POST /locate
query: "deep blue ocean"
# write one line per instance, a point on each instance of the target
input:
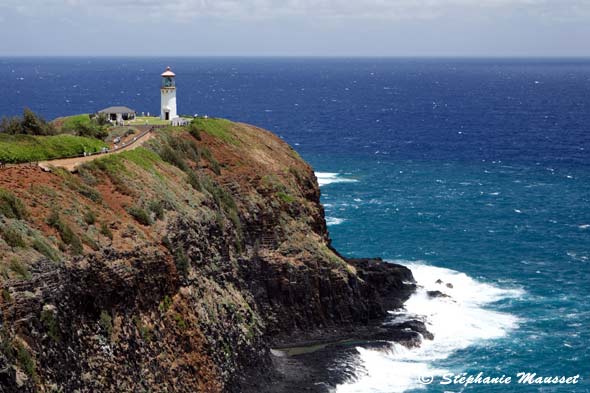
(476, 172)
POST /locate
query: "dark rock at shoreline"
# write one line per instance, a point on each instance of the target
(415, 326)
(320, 368)
(435, 294)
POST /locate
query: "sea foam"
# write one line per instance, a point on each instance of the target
(334, 221)
(457, 322)
(325, 178)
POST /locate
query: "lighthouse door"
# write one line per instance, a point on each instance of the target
(167, 115)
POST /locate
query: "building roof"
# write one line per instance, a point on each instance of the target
(117, 109)
(168, 72)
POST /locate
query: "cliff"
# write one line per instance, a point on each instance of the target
(176, 267)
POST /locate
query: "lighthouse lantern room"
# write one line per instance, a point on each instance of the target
(168, 95)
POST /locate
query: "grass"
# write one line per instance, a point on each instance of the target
(219, 128)
(27, 148)
(152, 120)
(71, 123)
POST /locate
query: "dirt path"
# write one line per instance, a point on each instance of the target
(70, 164)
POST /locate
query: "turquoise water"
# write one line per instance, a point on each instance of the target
(519, 228)
(477, 166)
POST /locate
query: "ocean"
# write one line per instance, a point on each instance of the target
(474, 172)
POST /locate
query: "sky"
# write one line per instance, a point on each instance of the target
(437, 28)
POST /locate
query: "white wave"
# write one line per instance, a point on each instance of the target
(456, 322)
(325, 178)
(584, 226)
(334, 221)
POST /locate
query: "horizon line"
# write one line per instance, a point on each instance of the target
(532, 57)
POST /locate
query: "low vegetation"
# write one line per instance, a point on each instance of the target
(29, 124)
(28, 148)
(66, 233)
(151, 120)
(18, 268)
(11, 206)
(140, 215)
(84, 125)
(219, 128)
(12, 237)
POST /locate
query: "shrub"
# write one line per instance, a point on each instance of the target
(165, 304)
(30, 124)
(194, 181)
(11, 206)
(75, 184)
(173, 157)
(193, 129)
(25, 360)
(85, 125)
(45, 249)
(140, 215)
(106, 231)
(90, 242)
(213, 163)
(180, 322)
(65, 232)
(89, 217)
(222, 198)
(86, 175)
(50, 323)
(12, 237)
(157, 207)
(182, 262)
(106, 323)
(144, 330)
(283, 196)
(20, 269)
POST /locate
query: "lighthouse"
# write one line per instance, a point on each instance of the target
(168, 95)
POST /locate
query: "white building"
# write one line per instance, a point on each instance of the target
(168, 95)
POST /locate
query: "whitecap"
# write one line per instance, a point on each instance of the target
(457, 322)
(334, 221)
(325, 178)
(584, 226)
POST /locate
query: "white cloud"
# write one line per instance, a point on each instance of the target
(380, 9)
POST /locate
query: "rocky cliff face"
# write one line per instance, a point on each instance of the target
(174, 267)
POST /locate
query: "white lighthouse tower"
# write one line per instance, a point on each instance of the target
(168, 95)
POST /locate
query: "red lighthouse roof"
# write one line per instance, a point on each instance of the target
(168, 72)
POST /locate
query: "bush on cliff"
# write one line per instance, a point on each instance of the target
(66, 233)
(29, 124)
(11, 206)
(140, 215)
(12, 237)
